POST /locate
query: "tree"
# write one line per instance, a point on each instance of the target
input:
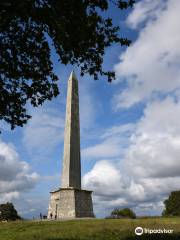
(8, 212)
(172, 205)
(76, 29)
(123, 213)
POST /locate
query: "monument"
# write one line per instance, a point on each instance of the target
(70, 201)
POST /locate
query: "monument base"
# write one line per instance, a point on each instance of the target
(70, 203)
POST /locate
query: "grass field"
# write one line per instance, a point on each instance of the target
(103, 229)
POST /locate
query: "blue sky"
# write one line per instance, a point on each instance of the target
(130, 132)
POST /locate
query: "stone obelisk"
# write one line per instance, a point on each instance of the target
(70, 201)
(71, 176)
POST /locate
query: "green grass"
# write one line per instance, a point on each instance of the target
(97, 229)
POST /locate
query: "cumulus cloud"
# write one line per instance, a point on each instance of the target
(152, 64)
(103, 176)
(15, 175)
(150, 167)
(144, 11)
(156, 143)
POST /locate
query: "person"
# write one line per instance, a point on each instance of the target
(40, 216)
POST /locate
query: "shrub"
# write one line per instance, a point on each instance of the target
(8, 212)
(172, 205)
(123, 213)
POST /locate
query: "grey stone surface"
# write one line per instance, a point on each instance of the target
(70, 201)
(71, 175)
(53, 205)
(83, 203)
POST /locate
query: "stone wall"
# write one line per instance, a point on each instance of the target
(66, 207)
(83, 201)
(53, 205)
(70, 203)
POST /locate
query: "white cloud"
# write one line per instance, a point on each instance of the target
(103, 176)
(15, 175)
(114, 139)
(8, 197)
(119, 130)
(152, 63)
(44, 131)
(108, 148)
(155, 147)
(143, 11)
(150, 168)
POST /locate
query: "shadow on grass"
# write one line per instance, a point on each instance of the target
(155, 237)
(143, 237)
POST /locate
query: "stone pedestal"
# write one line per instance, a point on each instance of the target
(70, 203)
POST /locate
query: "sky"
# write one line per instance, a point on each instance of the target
(130, 129)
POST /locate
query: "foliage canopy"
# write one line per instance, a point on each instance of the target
(123, 213)
(172, 204)
(8, 212)
(30, 29)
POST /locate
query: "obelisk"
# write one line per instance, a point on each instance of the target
(71, 176)
(70, 201)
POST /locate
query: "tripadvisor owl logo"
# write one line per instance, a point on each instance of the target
(139, 231)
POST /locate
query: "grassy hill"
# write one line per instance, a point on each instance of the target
(97, 229)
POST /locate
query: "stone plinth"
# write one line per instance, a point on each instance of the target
(70, 203)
